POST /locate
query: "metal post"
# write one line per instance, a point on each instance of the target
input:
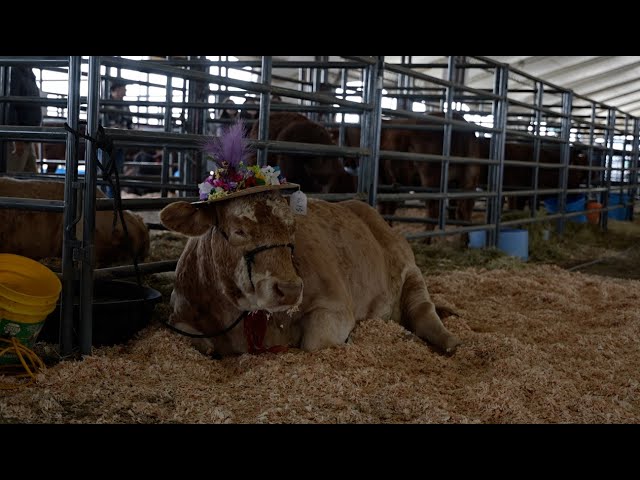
(265, 110)
(373, 91)
(182, 167)
(539, 99)
(343, 85)
(626, 164)
(460, 73)
(4, 91)
(166, 167)
(446, 145)
(565, 129)
(70, 241)
(317, 82)
(634, 162)
(89, 220)
(590, 149)
(609, 134)
(499, 110)
(403, 82)
(303, 76)
(301, 80)
(197, 92)
(364, 177)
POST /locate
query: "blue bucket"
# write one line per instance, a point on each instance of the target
(618, 213)
(61, 169)
(478, 239)
(575, 203)
(514, 242)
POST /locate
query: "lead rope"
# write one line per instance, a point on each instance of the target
(29, 362)
(105, 143)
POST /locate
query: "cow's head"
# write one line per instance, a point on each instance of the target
(350, 164)
(256, 233)
(577, 177)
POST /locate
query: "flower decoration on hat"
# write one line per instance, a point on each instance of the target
(231, 174)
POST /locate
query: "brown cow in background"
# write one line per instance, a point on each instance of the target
(460, 176)
(521, 177)
(38, 235)
(314, 173)
(410, 173)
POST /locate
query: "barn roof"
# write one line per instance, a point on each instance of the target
(611, 80)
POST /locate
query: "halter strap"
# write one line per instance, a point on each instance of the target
(210, 335)
(250, 256)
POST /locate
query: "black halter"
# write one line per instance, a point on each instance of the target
(209, 335)
(249, 257)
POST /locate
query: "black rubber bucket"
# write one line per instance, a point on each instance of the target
(120, 310)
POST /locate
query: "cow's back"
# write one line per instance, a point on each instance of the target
(348, 248)
(277, 122)
(12, 187)
(30, 233)
(38, 235)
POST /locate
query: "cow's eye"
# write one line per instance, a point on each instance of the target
(240, 233)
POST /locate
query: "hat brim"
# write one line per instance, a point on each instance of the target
(250, 191)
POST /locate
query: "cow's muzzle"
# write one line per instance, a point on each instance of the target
(250, 256)
(287, 293)
(277, 293)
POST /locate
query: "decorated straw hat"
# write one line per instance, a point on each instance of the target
(232, 177)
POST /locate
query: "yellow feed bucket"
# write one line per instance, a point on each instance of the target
(26, 281)
(29, 292)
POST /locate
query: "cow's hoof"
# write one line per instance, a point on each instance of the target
(451, 344)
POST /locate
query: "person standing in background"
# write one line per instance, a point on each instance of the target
(116, 116)
(21, 156)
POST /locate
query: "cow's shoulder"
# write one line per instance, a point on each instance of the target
(333, 214)
(349, 220)
(366, 213)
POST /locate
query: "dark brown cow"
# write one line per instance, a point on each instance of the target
(39, 234)
(394, 137)
(314, 173)
(277, 122)
(351, 139)
(460, 176)
(317, 275)
(404, 171)
(521, 178)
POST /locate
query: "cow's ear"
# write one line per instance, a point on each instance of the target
(186, 218)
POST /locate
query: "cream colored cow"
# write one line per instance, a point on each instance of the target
(316, 274)
(39, 234)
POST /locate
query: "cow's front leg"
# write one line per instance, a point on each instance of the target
(322, 328)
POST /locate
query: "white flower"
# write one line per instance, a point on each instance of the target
(204, 188)
(271, 175)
